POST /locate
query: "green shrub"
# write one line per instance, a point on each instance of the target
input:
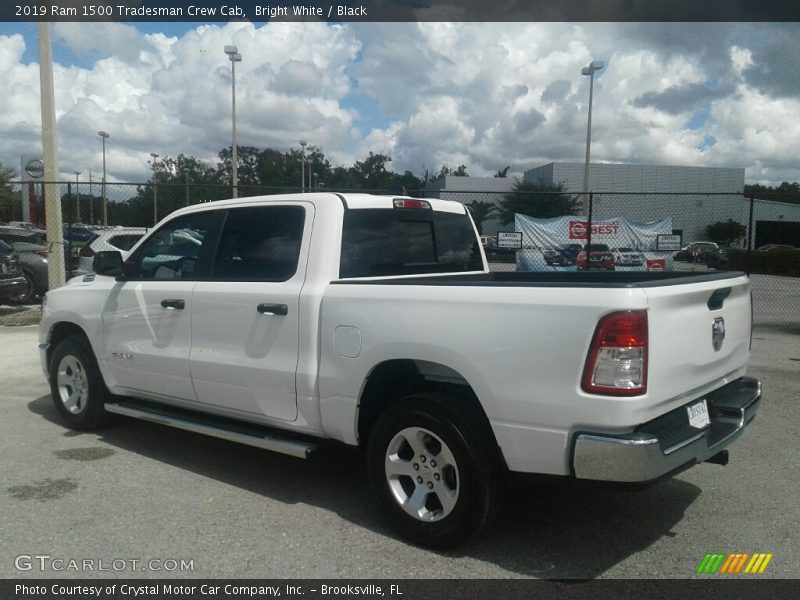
(777, 262)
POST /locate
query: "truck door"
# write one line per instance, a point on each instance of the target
(146, 328)
(245, 323)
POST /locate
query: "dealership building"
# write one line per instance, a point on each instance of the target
(693, 197)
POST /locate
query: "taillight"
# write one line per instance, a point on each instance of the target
(408, 203)
(42, 253)
(86, 251)
(617, 361)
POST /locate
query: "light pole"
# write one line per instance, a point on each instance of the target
(303, 144)
(91, 199)
(77, 198)
(186, 179)
(594, 66)
(105, 136)
(155, 190)
(234, 56)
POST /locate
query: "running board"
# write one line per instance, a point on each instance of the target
(244, 433)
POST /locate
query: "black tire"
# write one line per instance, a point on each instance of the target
(76, 385)
(26, 296)
(476, 482)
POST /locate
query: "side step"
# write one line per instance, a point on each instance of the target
(226, 429)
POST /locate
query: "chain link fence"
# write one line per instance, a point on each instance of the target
(521, 231)
(618, 231)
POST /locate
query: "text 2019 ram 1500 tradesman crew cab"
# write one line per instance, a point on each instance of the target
(276, 321)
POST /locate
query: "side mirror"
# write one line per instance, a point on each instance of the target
(107, 262)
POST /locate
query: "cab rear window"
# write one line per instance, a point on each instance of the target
(386, 242)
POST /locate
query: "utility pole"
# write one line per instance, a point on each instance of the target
(55, 233)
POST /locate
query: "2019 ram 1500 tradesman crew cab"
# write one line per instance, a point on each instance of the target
(277, 321)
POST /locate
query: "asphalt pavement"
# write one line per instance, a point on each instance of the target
(142, 492)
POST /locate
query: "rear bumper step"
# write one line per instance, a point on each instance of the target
(226, 429)
(668, 443)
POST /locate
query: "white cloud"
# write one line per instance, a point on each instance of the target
(482, 94)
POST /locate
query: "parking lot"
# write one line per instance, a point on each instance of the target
(138, 491)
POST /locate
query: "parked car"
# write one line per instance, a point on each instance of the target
(304, 317)
(122, 239)
(77, 234)
(690, 251)
(551, 256)
(627, 257)
(21, 234)
(562, 256)
(775, 248)
(33, 262)
(489, 242)
(713, 258)
(600, 257)
(11, 279)
(26, 225)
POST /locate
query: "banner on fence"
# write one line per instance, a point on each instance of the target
(619, 244)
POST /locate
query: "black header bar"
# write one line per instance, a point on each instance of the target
(359, 11)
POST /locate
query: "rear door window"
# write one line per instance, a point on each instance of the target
(260, 244)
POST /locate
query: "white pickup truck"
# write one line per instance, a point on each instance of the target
(373, 320)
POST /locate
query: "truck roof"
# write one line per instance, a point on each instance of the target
(350, 201)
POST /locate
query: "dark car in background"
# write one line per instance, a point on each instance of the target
(33, 265)
(77, 233)
(599, 257)
(775, 248)
(714, 258)
(565, 255)
(11, 279)
(691, 252)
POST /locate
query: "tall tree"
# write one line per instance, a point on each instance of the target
(482, 211)
(785, 192)
(726, 232)
(537, 200)
(8, 196)
(247, 165)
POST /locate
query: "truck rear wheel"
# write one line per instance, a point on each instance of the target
(436, 469)
(77, 386)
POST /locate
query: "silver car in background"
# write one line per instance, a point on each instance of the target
(121, 238)
(627, 257)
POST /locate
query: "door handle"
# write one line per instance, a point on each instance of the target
(273, 309)
(173, 303)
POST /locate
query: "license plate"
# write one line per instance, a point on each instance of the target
(698, 415)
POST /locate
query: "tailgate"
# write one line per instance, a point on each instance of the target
(699, 333)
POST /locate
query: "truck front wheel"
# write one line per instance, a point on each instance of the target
(436, 469)
(77, 386)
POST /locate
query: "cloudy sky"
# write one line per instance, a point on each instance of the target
(482, 94)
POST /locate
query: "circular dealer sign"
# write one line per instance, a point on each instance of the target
(35, 168)
(577, 230)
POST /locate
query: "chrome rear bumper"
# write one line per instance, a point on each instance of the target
(667, 443)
